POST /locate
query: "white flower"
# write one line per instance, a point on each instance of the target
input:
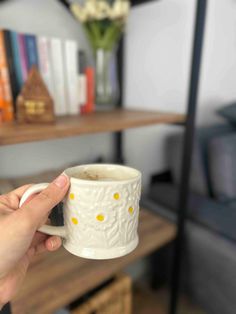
(103, 10)
(91, 9)
(79, 12)
(98, 218)
(120, 9)
(100, 9)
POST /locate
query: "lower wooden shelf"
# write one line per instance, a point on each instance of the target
(58, 278)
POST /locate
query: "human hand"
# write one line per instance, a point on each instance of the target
(19, 240)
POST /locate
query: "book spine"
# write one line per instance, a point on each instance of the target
(1, 101)
(45, 64)
(56, 57)
(82, 89)
(16, 60)
(72, 88)
(89, 106)
(10, 63)
(82, 78)
(5, 81)
(23, 56)
(31, 51)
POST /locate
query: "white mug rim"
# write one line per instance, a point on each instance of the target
(136, 174)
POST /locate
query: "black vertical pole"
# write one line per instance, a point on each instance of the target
(119, 158)
(187, 149)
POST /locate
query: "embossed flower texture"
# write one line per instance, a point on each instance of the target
(108, 213)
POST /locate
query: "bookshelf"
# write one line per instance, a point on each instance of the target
(71, 126)
(68, 277)
(110, 121)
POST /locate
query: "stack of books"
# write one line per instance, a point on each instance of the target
(62, 66)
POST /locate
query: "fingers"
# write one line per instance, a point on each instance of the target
(12, 199)
(38, 238)
(40, 206)
(51, 244)
(20, 191)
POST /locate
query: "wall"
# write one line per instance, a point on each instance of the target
(158, 54)
(159, 43)
(50, 18)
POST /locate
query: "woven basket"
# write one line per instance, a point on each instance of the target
(115, 298)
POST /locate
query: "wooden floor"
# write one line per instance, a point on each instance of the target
(149, 302)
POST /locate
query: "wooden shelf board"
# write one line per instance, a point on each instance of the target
(59, 278)
(110, 121)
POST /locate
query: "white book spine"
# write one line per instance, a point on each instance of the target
(44, 63)
(83, 89)
(71, 70)
(58, 73)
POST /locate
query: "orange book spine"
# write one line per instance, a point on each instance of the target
(89, 106)
(1, 102)
(5, 82)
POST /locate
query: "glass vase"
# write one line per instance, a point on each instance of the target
(107, 86)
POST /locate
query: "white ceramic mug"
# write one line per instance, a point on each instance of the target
(101, 210)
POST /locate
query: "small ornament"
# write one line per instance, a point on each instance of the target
(34, 103)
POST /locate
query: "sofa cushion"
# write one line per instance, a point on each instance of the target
(222, 163)
(229, 113)
(232, 204)
(198, 181)
(203, 210)
(200, 175)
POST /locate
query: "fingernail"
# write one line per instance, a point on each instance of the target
(53, 244)
(61, 181)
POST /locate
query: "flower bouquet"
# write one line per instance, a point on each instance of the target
(104, 22)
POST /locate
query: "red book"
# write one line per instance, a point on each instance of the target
(89, 106)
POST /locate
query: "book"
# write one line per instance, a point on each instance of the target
(89, 105)
(57, 62)
(71, 66)
(16, 60)
(10, 62)
(1, 101)
(82, 78)
(5, 81)
(23, 56)
(31, 51)
(45, 67)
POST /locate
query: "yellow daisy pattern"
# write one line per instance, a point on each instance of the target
(72, 196)
(100, 217)
(74, 220)
(131, 210)
(116, 196)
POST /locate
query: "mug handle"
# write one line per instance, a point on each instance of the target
(51, 230)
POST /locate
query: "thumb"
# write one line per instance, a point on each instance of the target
(37, 210)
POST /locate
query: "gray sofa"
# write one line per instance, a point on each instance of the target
(210, 251)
